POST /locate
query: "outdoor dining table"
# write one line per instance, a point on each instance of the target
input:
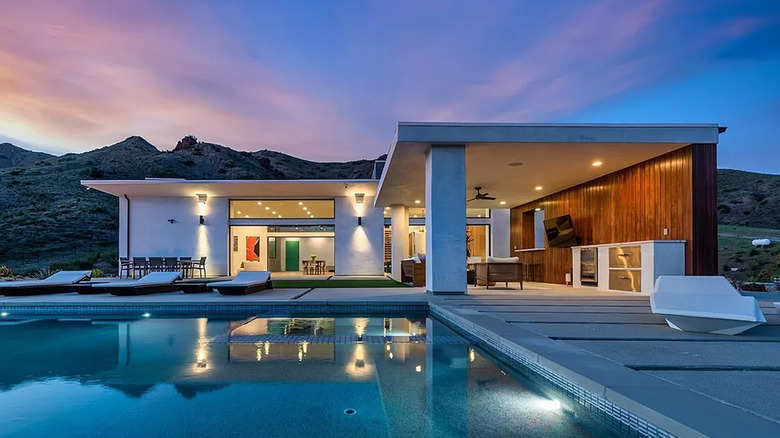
(186, 267)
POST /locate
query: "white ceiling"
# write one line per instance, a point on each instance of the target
(553, 166)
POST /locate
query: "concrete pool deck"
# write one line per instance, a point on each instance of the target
(608, 343)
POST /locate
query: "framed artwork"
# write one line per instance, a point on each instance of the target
(235, 243)
(253, 248)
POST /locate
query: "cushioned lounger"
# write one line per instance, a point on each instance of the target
(151, 283)
(61, 282)
(704, 304)
(246, 282)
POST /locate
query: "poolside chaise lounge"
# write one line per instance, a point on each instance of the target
(151, 283)
(246, 282)
(61, 282)
(704, 304)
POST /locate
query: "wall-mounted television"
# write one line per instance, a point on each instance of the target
(560, 232)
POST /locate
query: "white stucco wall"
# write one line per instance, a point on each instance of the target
(359, 250)
(151, 233)
(499, 232)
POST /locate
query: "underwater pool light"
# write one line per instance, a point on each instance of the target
(4, 314)
(550, 405)
(146, 315)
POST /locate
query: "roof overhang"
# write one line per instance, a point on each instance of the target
(268, 189)
(552, 156)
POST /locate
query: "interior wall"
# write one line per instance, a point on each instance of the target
(242, 232)
(652, 200)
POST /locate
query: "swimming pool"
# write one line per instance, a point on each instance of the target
(264, 376)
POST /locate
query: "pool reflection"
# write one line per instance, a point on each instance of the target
(403, 376)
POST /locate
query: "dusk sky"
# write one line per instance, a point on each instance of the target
(329, 80)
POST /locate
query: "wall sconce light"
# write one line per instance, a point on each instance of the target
(359, 198)
(202, 221)
(201, 198)
(360, 221)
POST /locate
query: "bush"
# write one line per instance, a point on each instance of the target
(97, 273)
(753, 287)
(189, 162)
(5, 271)
(753, 252)
(726, 268)
(95, 173)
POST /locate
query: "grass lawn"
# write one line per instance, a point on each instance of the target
(306, 284)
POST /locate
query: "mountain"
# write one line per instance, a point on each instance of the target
(748, 199)
(49, 219)
(11, 156)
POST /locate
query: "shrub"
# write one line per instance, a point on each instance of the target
(753, 252)
(5, 271)
(726, 268)
(753, 287)
(189, 162)
(97, 273)
(95, 173)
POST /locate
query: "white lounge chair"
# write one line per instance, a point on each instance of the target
(246, 282)
(151, 283)
(704, 304)
(60, 282)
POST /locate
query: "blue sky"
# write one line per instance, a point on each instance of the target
(328, 80)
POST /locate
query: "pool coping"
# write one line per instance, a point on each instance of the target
(644, 404)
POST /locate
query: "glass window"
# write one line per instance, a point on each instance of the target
(419, 213)
(281, 209)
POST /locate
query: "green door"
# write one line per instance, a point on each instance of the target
(292, 258)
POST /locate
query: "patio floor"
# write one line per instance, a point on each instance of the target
(601, 335)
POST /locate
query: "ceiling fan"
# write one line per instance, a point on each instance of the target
(481, 196)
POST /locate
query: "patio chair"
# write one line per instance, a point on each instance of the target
(200, 267)
(151, 283)
(125, 266)
(61, 282)
(171, 264)
(156, 264)
(497, 270)
(140, 266)
(704, 304)
(185, 264)
(246, 282)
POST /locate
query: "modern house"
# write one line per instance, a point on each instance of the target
(640, 201)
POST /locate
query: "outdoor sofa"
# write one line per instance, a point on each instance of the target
(244, 283)
(60, 282)
(413, 271)
(498, 270)
(704, 304)
(151, 283)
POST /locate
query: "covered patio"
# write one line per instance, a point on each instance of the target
(438, 165)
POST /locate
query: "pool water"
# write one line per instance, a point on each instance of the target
(262, 376)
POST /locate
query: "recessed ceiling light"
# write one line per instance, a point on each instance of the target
(414, 216)
(246, 215)
(305, 208)
(273, 212)
(300, 203)
(279, 216)
(259, 203)
(268, 208)
(537, 209)
(538, 188)
(502, 202)
(387, 208)
(238, 212)
(596, 163)
(479, 215)
(313, 216)
(515, 164)
(416, 201)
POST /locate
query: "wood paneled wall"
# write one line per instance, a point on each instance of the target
(676, 191)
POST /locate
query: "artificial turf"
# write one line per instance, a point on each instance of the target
(321, 283)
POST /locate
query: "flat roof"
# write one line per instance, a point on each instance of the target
(298, 188)
(509, 160)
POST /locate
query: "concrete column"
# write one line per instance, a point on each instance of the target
(499, 232)
(445, 219)
(399, 232)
